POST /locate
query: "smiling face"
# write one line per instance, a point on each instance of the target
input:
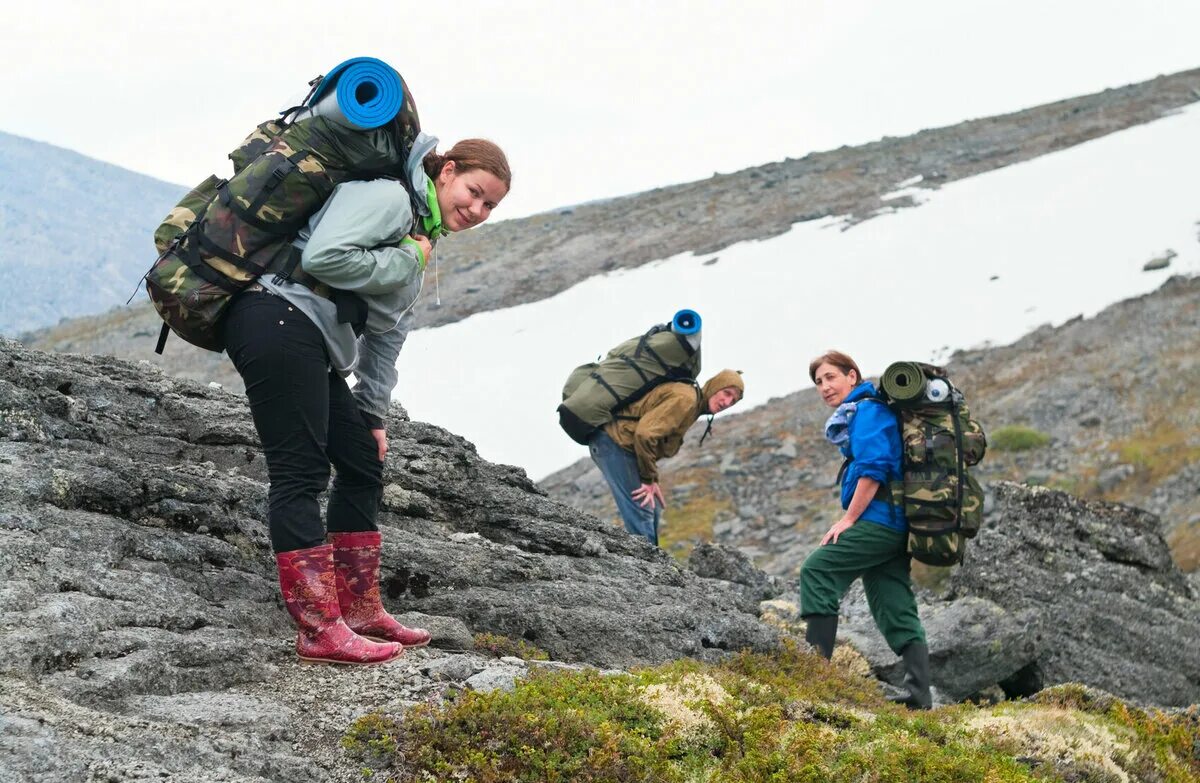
(725, 398)
(467, 198)
(833, 384)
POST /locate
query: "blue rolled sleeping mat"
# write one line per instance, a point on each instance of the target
(361, 93)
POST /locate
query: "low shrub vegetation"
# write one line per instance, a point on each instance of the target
(687, 525)
(1017, 437)
(500, 646)
(790, 716)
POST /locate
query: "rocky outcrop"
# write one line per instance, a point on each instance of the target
(138, 602)
(288, 726)
(729, 564)
(141, 633)
(1115, 612)
(1056, 589)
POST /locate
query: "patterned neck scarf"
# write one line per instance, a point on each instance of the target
(837, 428)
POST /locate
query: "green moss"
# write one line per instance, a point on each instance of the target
(751, 718)
(1184, 541)
(1159, 451)
(555, 726)
(930, 747)
(500, 646)
(1166, 746)
(1017, 437)
(689, 524)
(372, 737)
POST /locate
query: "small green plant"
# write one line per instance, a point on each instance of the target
(1017, 437)
(373, 736)
(554, 727)
(500, 646)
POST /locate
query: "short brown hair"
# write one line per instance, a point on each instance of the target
(838, 360)
(472, 154)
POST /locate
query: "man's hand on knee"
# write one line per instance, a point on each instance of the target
(648, 494)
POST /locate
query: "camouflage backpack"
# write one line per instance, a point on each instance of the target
(594, 391)
(942, 501)
(224, 234)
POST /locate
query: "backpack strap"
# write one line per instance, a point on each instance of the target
(163, 334)
(960, 474)
(644, 345)
(700, 403)
(281, 167)
(885, 491)
(351, 308)
(633, 366)
(607, 387)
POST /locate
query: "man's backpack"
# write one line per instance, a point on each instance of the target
(942, 501)
(596, 390)
(224, 234)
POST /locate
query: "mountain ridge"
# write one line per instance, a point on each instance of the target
(523, 260)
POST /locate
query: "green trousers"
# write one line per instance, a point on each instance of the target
(877, 554)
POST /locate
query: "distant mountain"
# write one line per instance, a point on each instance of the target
(75, 233)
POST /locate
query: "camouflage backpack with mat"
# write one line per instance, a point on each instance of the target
(596, 390)
(224, 234)
(942, 501)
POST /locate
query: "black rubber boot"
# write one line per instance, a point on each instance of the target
(821, 632)
(916, 677)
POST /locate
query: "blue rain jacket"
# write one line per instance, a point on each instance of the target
(874, 452)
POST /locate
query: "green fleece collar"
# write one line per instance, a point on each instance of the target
(433, 221)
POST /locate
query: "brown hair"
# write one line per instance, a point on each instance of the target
(472, 154)
(838, 360)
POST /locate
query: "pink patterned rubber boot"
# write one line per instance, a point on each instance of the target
(308, 582)
(356, 556)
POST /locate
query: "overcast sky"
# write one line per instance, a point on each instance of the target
(589, 100)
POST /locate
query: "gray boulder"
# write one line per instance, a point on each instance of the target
(973, 644)
(1114, 611)
(730, 564)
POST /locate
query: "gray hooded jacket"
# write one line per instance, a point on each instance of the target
(354, 243)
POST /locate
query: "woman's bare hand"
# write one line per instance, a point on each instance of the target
(425, 245)
(839, 527)
(380, 437)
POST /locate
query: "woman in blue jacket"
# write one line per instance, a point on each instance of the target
(870, 539)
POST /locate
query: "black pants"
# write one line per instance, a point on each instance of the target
(306, 419)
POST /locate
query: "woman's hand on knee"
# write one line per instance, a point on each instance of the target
(839, 527)
(380, 437)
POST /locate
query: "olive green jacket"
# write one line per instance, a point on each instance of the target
(653, 426)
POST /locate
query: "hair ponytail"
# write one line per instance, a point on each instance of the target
(433, 163)
(471, 154)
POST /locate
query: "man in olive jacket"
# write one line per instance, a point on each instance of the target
(627, 449)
